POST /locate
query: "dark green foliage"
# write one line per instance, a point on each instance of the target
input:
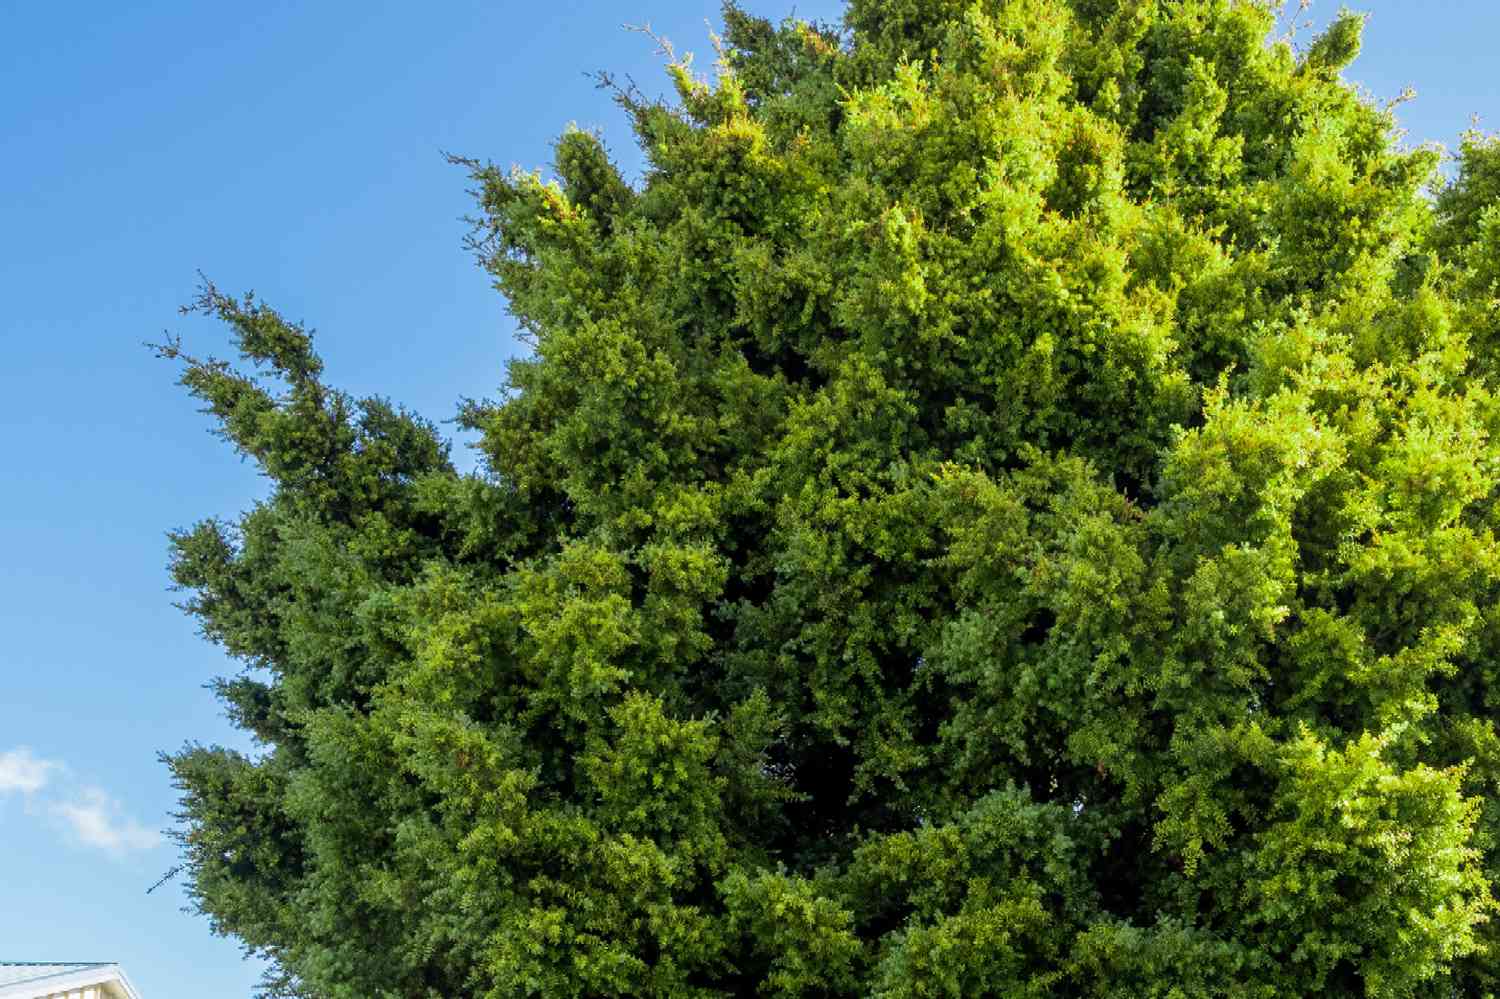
(1005, 507)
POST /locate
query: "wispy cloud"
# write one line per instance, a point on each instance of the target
(21, 770)
(94, 818)
(97, 820)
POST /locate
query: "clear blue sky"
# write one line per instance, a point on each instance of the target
(293, 149)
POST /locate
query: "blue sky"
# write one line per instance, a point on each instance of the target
(293, 148)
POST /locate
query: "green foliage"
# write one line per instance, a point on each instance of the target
(1005, 506)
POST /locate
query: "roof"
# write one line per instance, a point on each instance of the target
(29, 979)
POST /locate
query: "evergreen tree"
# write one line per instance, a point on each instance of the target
(1005, 506)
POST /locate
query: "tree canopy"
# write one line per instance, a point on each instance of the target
(1004, 505)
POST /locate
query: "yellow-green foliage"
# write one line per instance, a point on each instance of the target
(1004, 507)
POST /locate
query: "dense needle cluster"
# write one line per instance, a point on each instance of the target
(1005, 506)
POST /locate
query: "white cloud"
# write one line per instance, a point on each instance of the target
(94, 818)
(21, 771)
(97, 820)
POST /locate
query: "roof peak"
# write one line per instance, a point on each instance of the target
(20, 979)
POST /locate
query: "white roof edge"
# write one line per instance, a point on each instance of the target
(101, 974)
(125, 983)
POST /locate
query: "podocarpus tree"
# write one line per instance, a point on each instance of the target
(1004, 506)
